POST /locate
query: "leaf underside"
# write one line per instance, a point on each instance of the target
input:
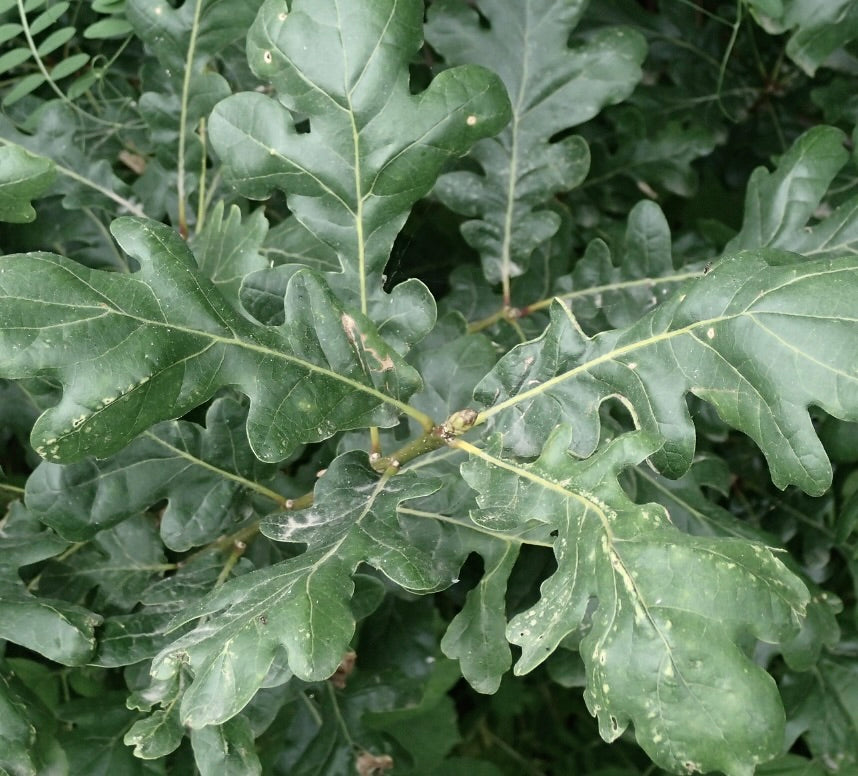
(299, 607)
(658, 653)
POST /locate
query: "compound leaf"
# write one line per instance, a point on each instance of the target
(131, 350)
(182, 83)
(300, 606)
(373, 148)
(761, 337)
(83, 180)
(552, 87)
(658, 653)
(23, 176)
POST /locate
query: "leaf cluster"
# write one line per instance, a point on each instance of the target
(395, 387)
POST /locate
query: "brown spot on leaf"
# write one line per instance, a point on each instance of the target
(349, 327)
(384, 364)
(132, 161)
(344, 670)
(369, 764)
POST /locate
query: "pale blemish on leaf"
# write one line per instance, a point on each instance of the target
(350, 327)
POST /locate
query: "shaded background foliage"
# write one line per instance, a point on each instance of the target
(639, 169)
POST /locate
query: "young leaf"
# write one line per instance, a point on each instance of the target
(600, 293)
(23, 176)
(132, 350)
(373, 148)
(660, 654)
(818, 29)
(476, 636)
(778, 204)
(299, 605)
(760, 337)
(552, 87)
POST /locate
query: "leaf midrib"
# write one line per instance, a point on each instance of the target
(610, 355)
(196, 461)
(589, 505)
(655, 339)
(235, 341)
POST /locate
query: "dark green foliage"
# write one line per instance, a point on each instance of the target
(391, 386)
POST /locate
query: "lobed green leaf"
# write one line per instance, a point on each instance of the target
(553, 87)
(373, 148)
(23, 176)
(819, 29)
(602, 295)
(299, 606)
(761, 337)
(60, 631)
(207, 475)
(658, 653)
(131, 350)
